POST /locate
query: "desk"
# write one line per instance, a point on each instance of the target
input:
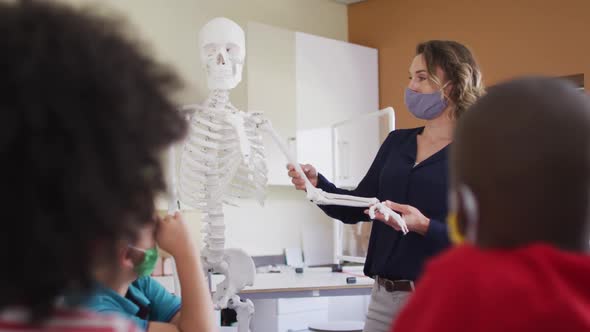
(313, 282)
(290, 301)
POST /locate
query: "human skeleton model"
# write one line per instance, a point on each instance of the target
(223, 159)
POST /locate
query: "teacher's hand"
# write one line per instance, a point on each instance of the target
(298, 181)
(414, 219)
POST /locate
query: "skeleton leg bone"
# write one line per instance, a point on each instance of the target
(244, 311)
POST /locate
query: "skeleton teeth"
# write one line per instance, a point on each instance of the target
(221, 73)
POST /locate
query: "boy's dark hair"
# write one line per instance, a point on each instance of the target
(85, 114)
(524, 151)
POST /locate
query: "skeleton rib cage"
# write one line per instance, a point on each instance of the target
(213, 171)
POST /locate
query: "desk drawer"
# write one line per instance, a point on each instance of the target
(300, 321)
(295, 305)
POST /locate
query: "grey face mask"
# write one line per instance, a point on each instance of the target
(425, 106)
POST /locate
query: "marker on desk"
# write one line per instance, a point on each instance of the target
(351, 280)
(336, 268)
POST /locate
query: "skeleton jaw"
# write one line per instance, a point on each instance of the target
(223, 77)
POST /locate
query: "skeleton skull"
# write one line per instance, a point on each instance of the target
(223, 49)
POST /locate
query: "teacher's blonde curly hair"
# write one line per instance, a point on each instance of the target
(461, 69)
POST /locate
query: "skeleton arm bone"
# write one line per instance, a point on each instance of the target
(325, 198)
(173, 202)
(321, 197)
(237, 122)
(266, 126)
(173, 194)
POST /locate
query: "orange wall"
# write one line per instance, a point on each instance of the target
(509, 38)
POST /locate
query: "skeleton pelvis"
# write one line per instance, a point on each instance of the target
(239, 271)
(240, 267)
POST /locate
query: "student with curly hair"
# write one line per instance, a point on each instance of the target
(85, 115)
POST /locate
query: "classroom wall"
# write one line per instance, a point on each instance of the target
(170, 29)
(509, 38)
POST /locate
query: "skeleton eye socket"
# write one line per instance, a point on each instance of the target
(232, 49)
(210, 49)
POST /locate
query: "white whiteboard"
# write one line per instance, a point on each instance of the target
(335, 81)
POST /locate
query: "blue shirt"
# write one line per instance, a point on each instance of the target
(146, 300)
(393, 176)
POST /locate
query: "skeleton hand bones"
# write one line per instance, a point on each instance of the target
(320, 197)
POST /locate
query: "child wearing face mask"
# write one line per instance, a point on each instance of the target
(520, 171)
(134, 294)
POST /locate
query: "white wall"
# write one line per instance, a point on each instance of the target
(170, 28)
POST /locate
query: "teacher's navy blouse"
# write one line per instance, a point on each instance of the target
(393, 176)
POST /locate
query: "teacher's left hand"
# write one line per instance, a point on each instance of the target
(415, 220)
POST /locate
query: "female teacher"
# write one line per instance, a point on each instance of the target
(410, 172)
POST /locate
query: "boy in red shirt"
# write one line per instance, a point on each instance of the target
(521, 196)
